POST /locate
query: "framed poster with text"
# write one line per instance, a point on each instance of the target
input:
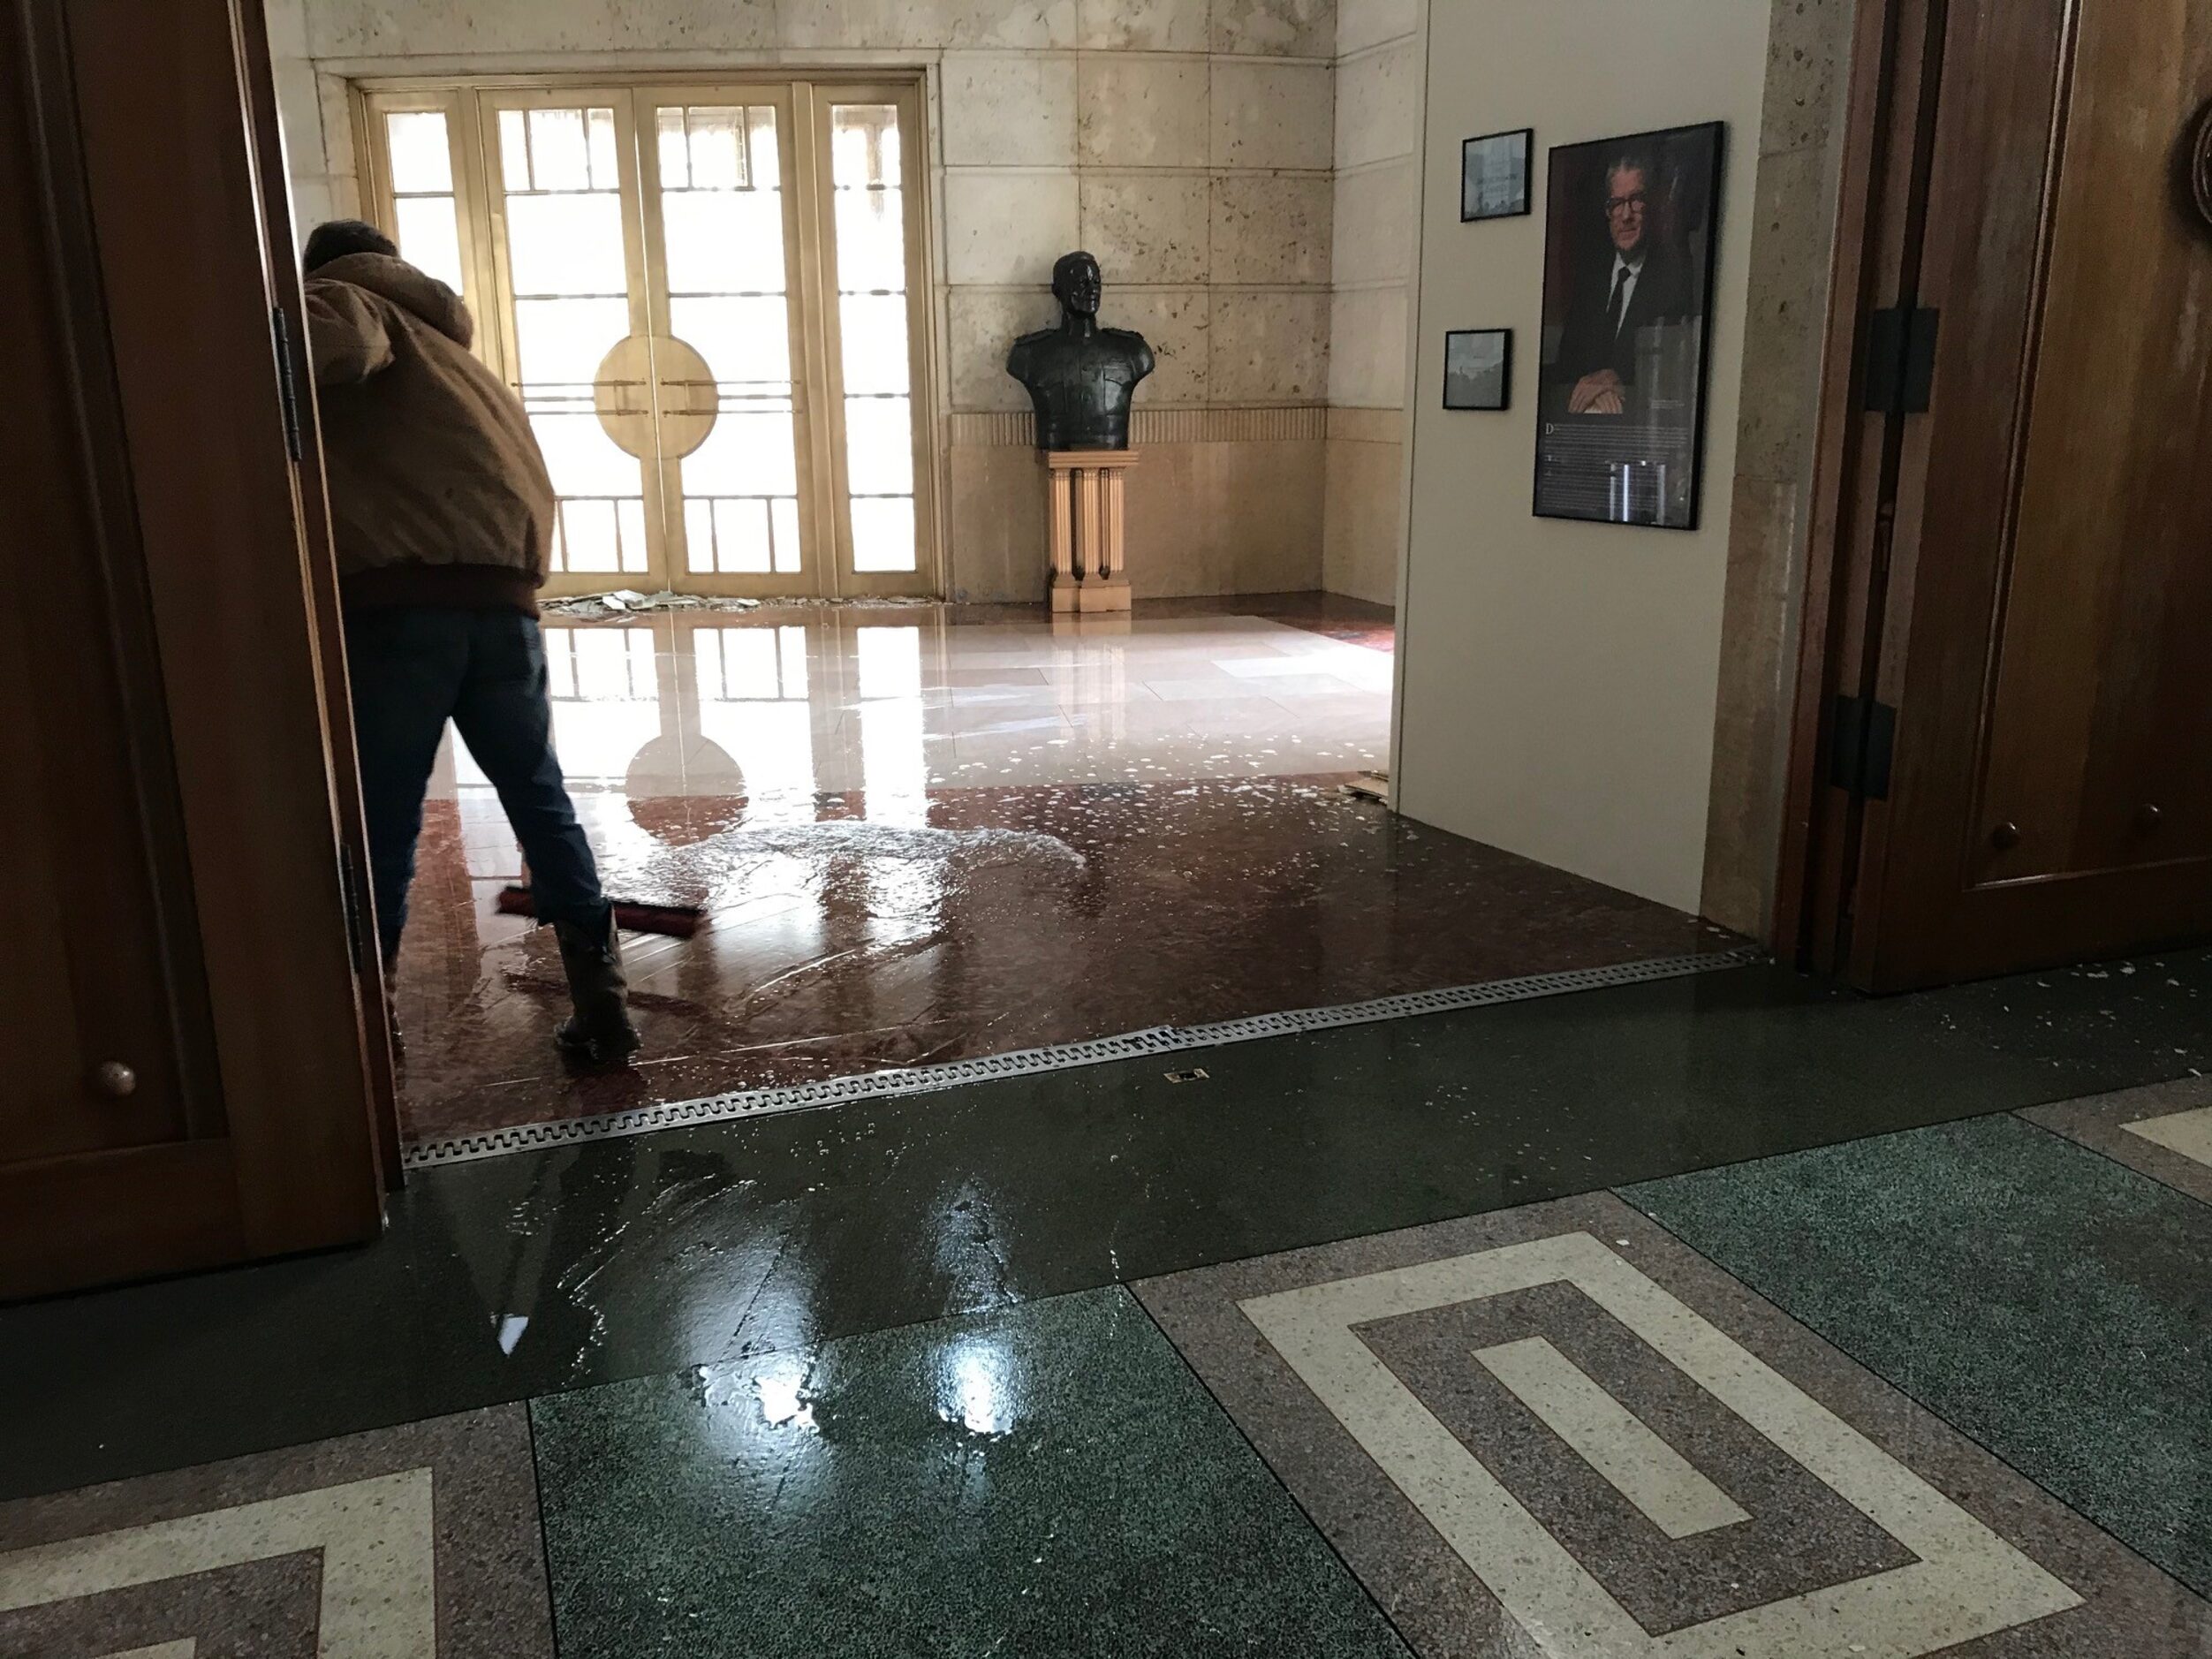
(1629, 250)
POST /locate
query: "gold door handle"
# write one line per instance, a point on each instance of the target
(640, 362)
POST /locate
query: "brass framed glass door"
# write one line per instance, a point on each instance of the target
(711, 300)
(567, 265)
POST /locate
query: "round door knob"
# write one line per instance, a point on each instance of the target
(2005, 836)
(115, 1080)
(2148, 816)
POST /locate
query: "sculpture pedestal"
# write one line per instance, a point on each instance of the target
(1088, 572)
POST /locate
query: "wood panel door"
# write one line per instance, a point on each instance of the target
(188, 1078)
(2021, 773)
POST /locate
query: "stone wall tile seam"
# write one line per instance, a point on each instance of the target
(1373, 49)
(1309, 60)
(1154, 54)
(1140, 169)
(1380, 163)
(444, 65)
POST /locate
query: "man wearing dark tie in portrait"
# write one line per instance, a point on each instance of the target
(1642, 283)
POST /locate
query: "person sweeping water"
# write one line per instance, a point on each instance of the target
(443, 512)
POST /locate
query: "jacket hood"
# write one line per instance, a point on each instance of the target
(413, 290)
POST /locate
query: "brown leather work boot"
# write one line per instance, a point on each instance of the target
(591, 956)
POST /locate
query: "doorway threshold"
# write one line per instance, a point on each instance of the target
(894, 1082)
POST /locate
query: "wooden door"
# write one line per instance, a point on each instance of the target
(188, 1079)
(2013, 760)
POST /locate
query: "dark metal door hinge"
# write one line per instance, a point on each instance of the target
(1900, 376)
(1863, 739)
(287, 382)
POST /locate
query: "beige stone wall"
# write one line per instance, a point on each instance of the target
(1380, 50)
(1188, 143)
(1791, 241)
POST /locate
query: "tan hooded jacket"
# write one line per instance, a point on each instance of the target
(438, 493)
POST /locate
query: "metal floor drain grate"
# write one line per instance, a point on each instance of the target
(926, 1079)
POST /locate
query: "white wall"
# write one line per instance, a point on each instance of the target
(1560, 679)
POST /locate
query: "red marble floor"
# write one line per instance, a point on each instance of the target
(870, 908)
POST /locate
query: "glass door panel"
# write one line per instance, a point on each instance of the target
(874, 324)
(568, 253)
(425, 205)
(718, 258)
(710, 302)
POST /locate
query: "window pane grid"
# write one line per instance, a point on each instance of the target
(715, 276)
(869, 208)
(567, 271)
(705, 148)
(598, 534)
(426, 218)
(559, 152)
(722, 245)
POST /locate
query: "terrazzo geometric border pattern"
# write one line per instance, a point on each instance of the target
(419, 1543)
(1559, 1431)
(2164, 1131)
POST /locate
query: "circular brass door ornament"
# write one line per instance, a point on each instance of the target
(624, 393)
(2200, 165)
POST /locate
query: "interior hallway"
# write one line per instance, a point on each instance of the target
(1659, 1285)
(931, 833)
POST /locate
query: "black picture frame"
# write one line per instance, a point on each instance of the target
(1515, 148)
(1630, 449)
(1471, 377)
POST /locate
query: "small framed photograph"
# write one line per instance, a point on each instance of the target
(1479, 368)
(1494, 175)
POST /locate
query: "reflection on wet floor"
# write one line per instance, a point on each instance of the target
(779, 713)
(921, 836)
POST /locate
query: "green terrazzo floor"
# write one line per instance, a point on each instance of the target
(1047, 1479)
(2054, 1305)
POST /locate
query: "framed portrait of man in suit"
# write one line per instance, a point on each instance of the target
(1630, 241)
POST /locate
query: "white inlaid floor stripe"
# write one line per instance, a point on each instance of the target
(1967, 1583)
(2188, 1133)
(377, 1538)
(1614, 1441)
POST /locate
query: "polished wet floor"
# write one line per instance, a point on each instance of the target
(924, 834)
(1705, 1317)
(597, 1262)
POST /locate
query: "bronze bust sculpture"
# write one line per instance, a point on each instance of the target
(1080, 376)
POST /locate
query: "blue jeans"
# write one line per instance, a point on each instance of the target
(412, 668)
